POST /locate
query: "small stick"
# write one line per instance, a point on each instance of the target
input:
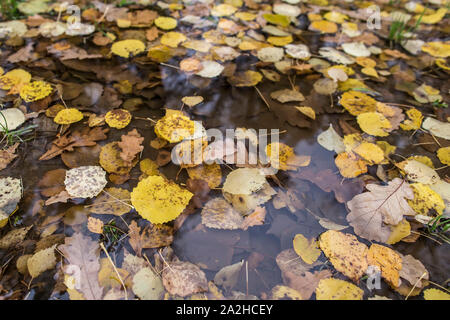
(115, 269)
(262, 97)
(246, 274)
(169, 65)
(417, 282)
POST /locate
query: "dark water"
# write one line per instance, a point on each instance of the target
(224, 107)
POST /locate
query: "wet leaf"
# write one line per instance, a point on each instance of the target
(158, 200)
(345, 252)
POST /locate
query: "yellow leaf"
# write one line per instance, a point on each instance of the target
(248, 78)
(334, 16)
(414, 122)
(35, 90)
(357, 102)
(125, 48)
(323, 26)
(388, 261)
(352, 83)
(370, 152)
(306, 249)
(197, 45)
(444, 155)
(277, 19)
(435, 294)
(223, 10)
(166, 23)
(387, 148)
(173, 39)
(149, 167)
(349, 166)
(14, 80)
(366, 62)
(370, 72)
(282, 157)
(345, 252)
(283, 292)
(437, 49)
(174, 127)
(426, 199)
(280, 41)
(441, 63)
(111, 161)
(374, 123)
(160, 53)
(335, 289)
(158, 200)
(211, 173)
(68, 116)
(398, 232)
(118, 118)
(245, 16)
(432, 18)
(307, 111)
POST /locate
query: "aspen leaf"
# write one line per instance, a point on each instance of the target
(35, 90)
(158, 200)
(219, 214)
(127, 48)
(444, 155)
(435, 294)
(307, 249)
(323, 26)
(349, 166)
(118, 118)
(173, 39)
(68, 116)
(357, 102)
(285, 293)
(345, 252)
(85, 182)
(166, 23)
(335, 289)
(388, 261)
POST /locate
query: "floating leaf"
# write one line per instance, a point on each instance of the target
(118, 118)
(127, 48)
(85, 182)
(335, 289)
(306, 249)
(345, 252)
(35, 90)
(158, 200)
(68, 116)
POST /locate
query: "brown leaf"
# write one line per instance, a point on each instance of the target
(7, 155)
(83, 255)
(153, 236)
(254, 219)
(86, 138)
(131, 145)
(307, 283)
(95, 225)
(52, 183)
(184, 278)
(63, 196)
(371, 212)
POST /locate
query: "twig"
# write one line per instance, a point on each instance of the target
(262, 97)
(415, 285)
(115, 269)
